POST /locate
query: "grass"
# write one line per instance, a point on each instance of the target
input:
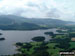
(36, 43)
(54, 52)
(51, 50)
(72, 44)
(51, 45)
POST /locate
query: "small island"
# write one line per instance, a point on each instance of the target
(0, 33)
(49, 33)
(2, 38)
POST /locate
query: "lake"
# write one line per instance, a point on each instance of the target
(12, 36)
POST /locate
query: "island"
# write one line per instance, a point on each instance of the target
(0, 33)
(2, 38)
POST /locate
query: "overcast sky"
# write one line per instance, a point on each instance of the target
(58, 9)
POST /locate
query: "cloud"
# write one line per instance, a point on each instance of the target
(60, 9)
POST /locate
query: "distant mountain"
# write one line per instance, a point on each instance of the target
(47, 21)
(20, 23)
(5, 20)
(16, 23)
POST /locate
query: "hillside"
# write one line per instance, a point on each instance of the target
(20, 23)
(14, 23)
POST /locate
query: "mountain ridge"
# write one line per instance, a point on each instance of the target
(17, 22)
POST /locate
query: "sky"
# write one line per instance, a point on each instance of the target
(56, 9)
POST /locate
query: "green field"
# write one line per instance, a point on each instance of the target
(72, 44)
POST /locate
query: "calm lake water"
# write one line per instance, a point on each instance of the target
(13, 36)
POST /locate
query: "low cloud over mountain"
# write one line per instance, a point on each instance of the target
(59, 9)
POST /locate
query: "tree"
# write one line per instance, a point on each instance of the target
(41, 53)
(49, 33)
(19, 44)
(38, 38)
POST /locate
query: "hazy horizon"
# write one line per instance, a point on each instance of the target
(57, 9)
